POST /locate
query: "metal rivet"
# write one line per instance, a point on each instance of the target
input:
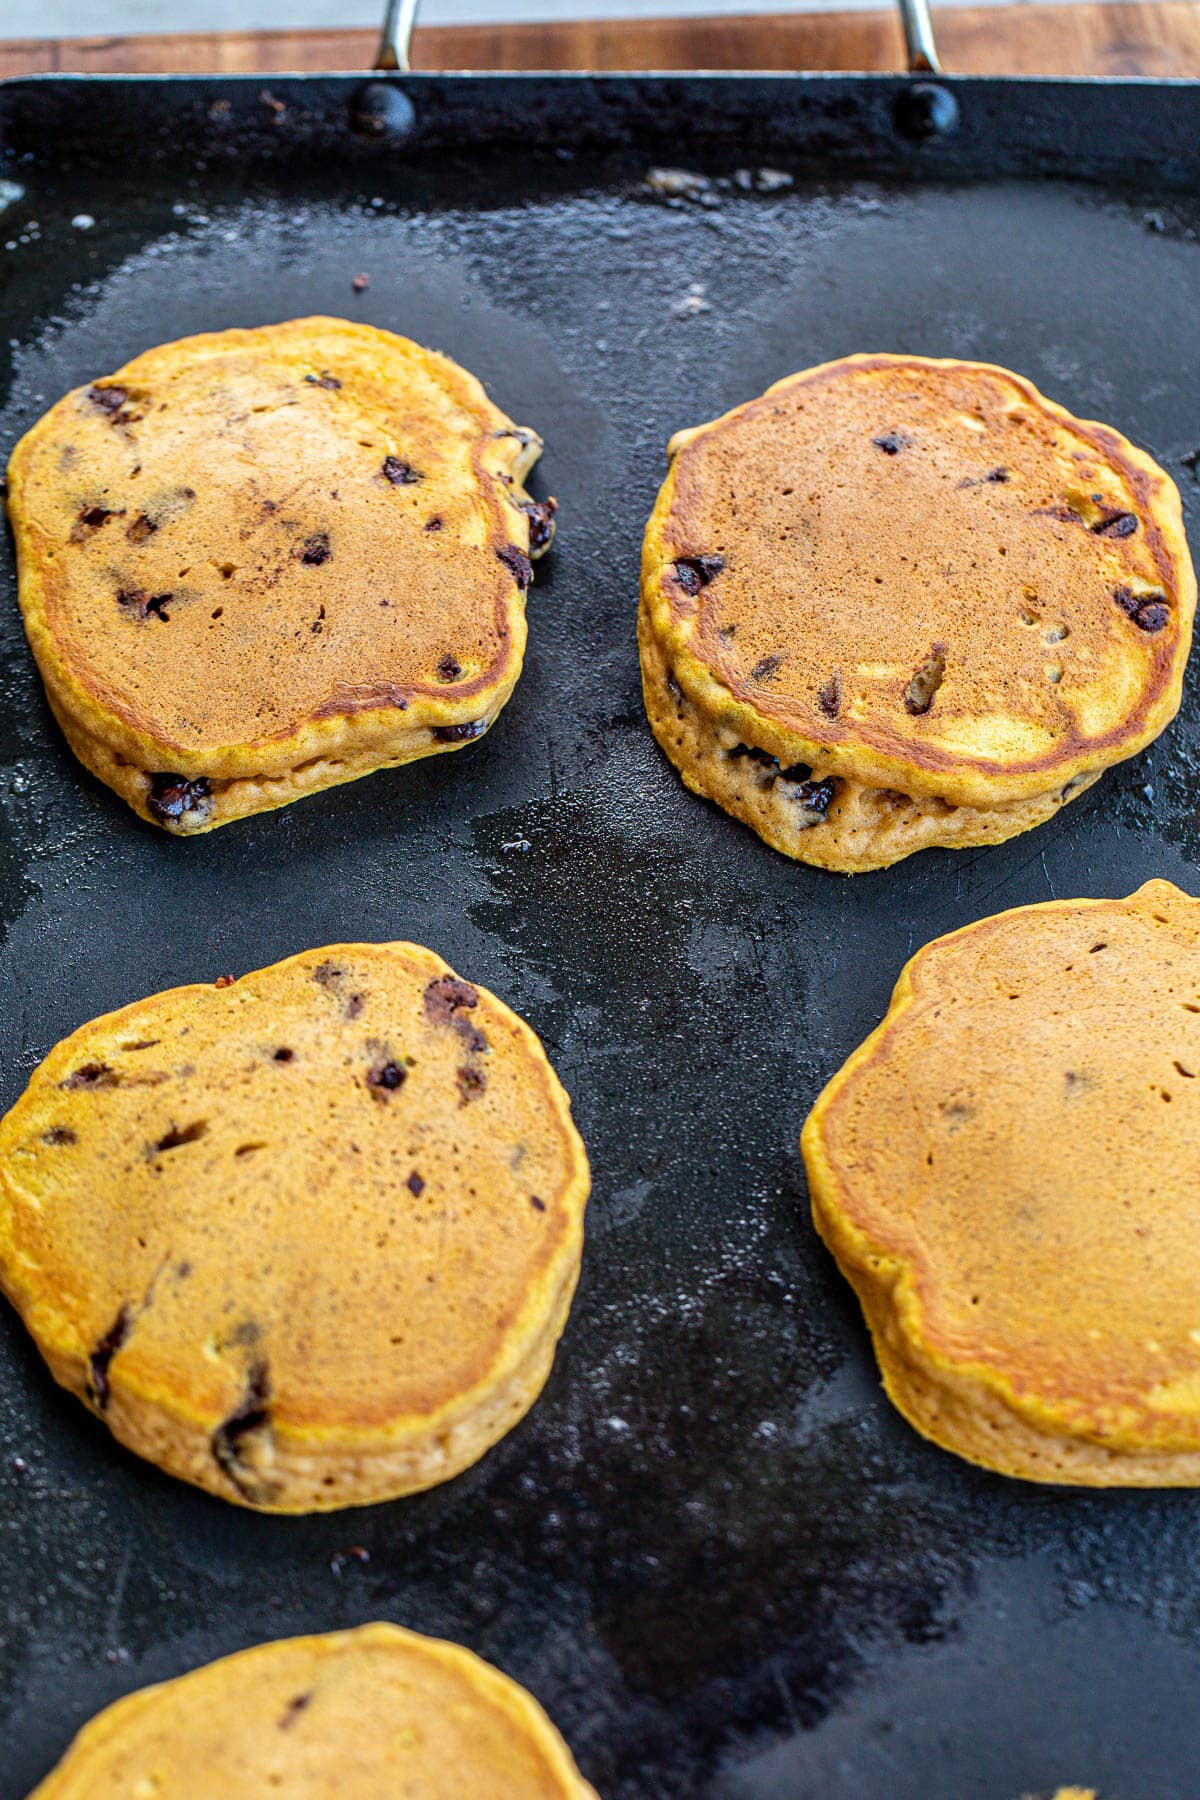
(380, 109)
(925, 111)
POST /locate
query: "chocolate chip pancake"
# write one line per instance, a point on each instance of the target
(898, 602)
(257, 563)
(371, 1714)
(1005, 1172)
(307, 1239)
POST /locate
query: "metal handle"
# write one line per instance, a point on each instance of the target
(918, 36)
(396, 37)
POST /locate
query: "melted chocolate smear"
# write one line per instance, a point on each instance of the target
(91, 518)
(449, 668)
(399, 472)
(102, 1356)
(829, 699)
(59, 1134)
(144, 605)
(1115, 524)
(385, 1078)
(460, 734)
(925, 681)
(316, 550)
(139, 529)
(187, 1134)
(1149, 612)
(471, 1083)
(171, 797)
(446, 997)
(108, 399)
(517, 564)
(695, 572)
(226, 1442)
(763, 671)
(541, 522)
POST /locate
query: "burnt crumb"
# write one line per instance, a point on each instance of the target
(354, 1005)
(416, 1186)
(517, 564)
(91, 1075)
(323, 380)
(91, 518)
(102, 1355)
(471, 1083)
(293, 1709)
(925, 681)
(434, 524)
(144, 605)
(892, 442)
(177, 1136)
(1115, 524)
(1149, 612)
(460, 734)
(541, 522)
(399, 472)
(284, 1055)
(141, 528)
(829, 698)
(449, 668)
(173, 798)
(59, 1134)
(385, 1078)
(352, 1553)
(765, 668)
(229, 1441)
(537, 1205)
(315, 550)
(695, 572)
(361, 283)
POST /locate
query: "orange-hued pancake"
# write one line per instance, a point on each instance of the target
(307, 1239)
(898, 602)
(373, 1714)
(257, 563)
(1005, 1172)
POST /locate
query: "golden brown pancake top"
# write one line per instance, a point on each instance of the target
(241, 533)
(341, 1186)
(926, 564)
(1021, 1136)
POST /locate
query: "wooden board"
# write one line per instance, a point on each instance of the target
(1143, 37)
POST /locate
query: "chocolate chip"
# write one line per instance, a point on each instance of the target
(353, 1006)
(1115, 524)
(763, 670)
(434, 524)
(892, 442)
(59, 1134)
(541, 522)
(283, 1055)
(108, 399)
(813, 796)
(755, 754)
(829, 699)
(187, 1134)
(315, 549)
(328, 975)
(695, 572)
(385, 1078)
(174, 797)
(102, 1355)
(996, 475)
(447, 996)
(460, 734)
(91, 518)
(416, 1186)
(925, 681)
(517, 564)
(91, 1075)
(1148, 612)
(228, 1440)
(449, 668)
(471, 1082)
(144, 605)
(324, 380)
(139, 529)
(293, 1709)
(400, 473)
(537, 1205)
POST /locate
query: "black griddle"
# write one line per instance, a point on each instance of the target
(712, 1550)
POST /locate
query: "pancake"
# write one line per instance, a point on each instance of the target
(898, 602)
(253, 564)
(307, 1239)
(1004, 1172)
(374, 1713)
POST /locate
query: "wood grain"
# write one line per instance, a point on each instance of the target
(1141, 37)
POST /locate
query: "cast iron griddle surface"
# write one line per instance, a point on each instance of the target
(712, 1550)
